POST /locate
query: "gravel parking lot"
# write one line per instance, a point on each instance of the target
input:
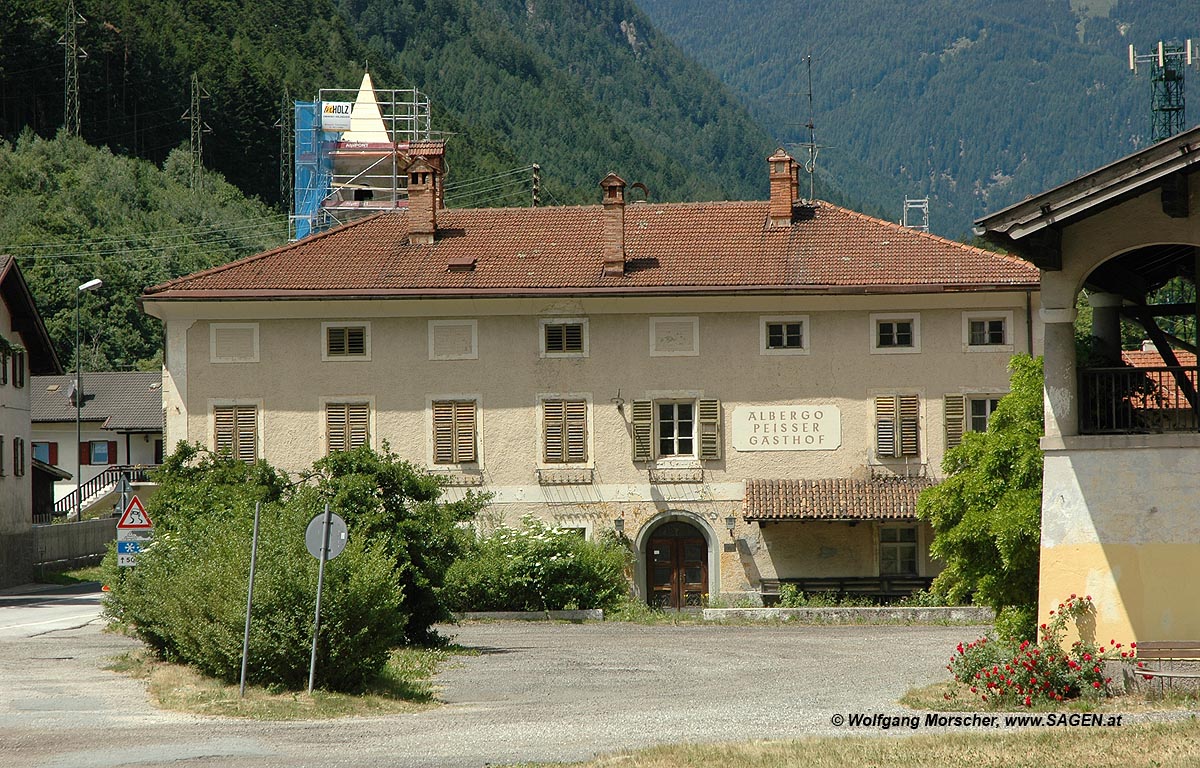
(535, 692)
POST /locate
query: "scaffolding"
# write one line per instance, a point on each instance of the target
(352, 152)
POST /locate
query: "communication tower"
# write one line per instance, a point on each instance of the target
(353, 149)
(1167, 63)
(72, 53)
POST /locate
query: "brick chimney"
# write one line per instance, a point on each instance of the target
(614, 224)
(785, 188)
(422, 202)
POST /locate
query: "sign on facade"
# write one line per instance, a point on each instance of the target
(787, 428)
(335, 115)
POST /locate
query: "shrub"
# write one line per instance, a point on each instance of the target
(1010, 672)
(186, 600)
(186, 597)
(537, 568)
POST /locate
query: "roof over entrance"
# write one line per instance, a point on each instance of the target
(884, 498)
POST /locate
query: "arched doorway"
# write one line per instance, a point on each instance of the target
(676, 566)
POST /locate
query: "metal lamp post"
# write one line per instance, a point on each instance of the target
(90, 285)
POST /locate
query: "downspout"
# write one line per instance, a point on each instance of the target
(1029, 322)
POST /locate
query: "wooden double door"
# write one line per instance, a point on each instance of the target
(677, 567)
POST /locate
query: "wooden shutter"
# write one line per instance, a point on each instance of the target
(223, 430)
(2, 470)
(642, 422)
(112, 452)
(53, 454)
(18, 369)
(709, 412)
(335, 425)
(443, 432)
(3, 367)
(85, 453)
(910, 418)
(885, 427)
(576, 428)
(553, 430)
(336, 341)
(358, 421)
(464, 431)
(356, 340)
(247, 434)
(573, 337)
(555, 341)
(955, 416)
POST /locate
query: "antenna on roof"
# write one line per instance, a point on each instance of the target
(811, 166)
(1167, 63)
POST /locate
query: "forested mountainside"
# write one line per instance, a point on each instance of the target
(973, 103)
(71, 212)
(580, 88)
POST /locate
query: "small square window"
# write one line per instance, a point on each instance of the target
(895, 333)
(987, 332)
(785, 335)
(41, 452)
(346, 341)
(981, 412)
(98, 452)
(564, 337)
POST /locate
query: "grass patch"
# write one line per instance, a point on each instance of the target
(68, 578)
(953, 696)
(1163, 745)
(405, 685)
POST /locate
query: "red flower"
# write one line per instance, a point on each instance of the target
(1096, 684)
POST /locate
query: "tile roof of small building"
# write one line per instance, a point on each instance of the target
(670, 247)
(833, 499)
(126, 401)
(1149, 358)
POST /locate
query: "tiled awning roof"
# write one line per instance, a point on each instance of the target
(833, 499)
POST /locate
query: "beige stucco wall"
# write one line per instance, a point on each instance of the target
(16, 504)
(291, 382)
(1119, 518)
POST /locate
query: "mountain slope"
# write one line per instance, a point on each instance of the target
(974, 103)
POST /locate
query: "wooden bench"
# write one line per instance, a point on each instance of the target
(886, 588)
(1172, 652)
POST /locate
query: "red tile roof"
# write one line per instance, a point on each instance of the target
(882, 498)
(1149, 358)
(689, 247)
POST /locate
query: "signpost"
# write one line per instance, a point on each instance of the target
(135, 530)
(325, 539)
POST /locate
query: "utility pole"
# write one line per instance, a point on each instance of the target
(286, 138)
(197, 130)
(72, 53)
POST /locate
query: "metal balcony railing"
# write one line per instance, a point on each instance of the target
(1128, 401)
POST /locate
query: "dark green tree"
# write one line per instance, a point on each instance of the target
(986, 513)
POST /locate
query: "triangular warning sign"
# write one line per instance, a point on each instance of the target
(135, 516)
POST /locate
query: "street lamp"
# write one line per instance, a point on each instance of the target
(90, 285)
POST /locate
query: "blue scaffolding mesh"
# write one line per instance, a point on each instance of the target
(314, 169)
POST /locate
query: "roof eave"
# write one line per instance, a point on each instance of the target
(1098, 189)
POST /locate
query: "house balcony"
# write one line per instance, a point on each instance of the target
(1129, 400)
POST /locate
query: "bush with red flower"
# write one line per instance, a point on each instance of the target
(1007, 673)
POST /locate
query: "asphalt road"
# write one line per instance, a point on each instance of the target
(536, 692)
